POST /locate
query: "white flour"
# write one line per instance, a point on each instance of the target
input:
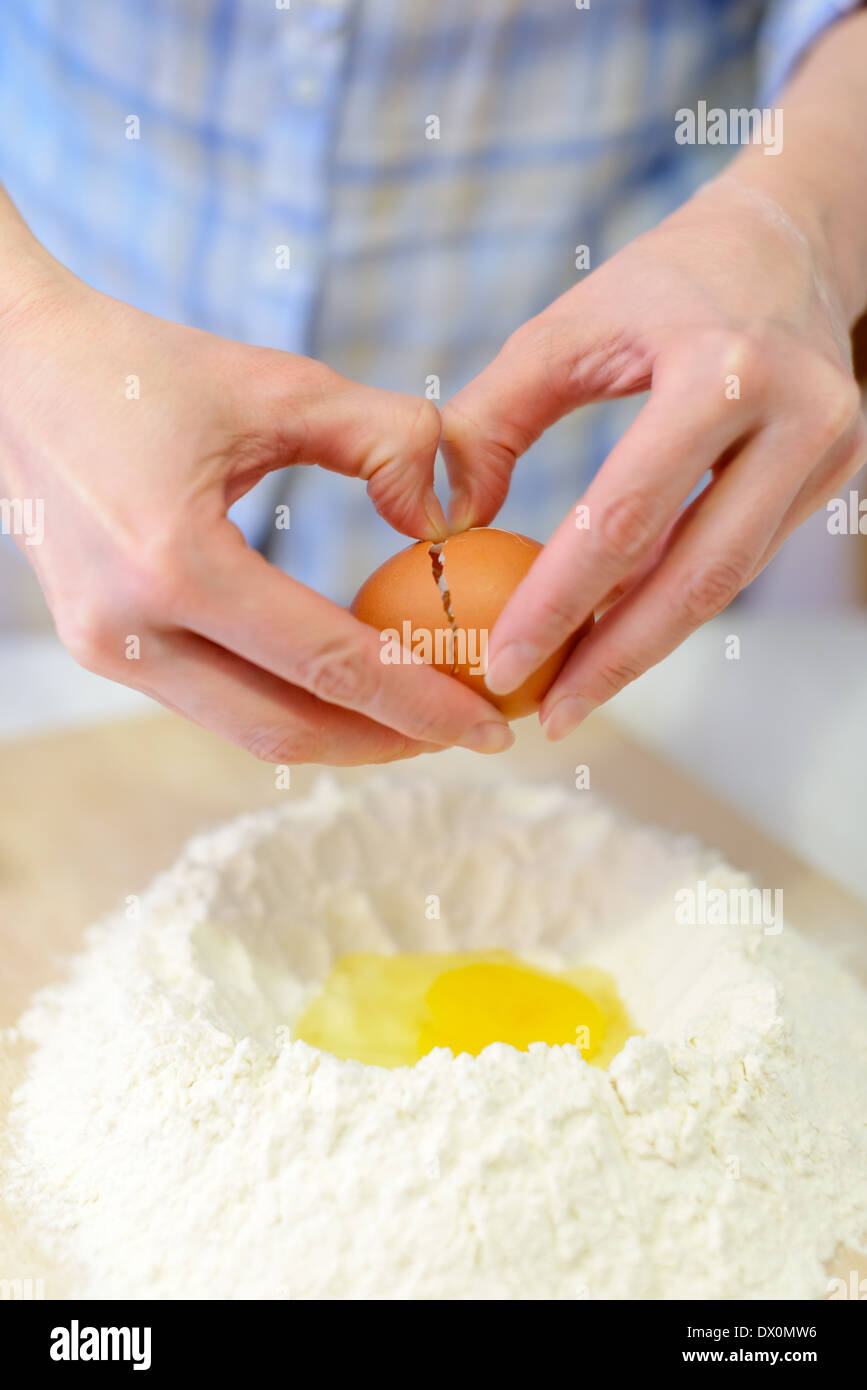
(169, 1140)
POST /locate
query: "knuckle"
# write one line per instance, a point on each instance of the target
(839, 409)
(543, 343)
(274, 744)
(744, 353)
(531, 336)
(426, 427)
(340, 674)
(626, 525)
(616, 671)
(90, 635)
(558, 616)
(844, 461)
(407, 446)
(155, 579)
(401, 748)
(408, 437)
(714, 354)
(285, 379)
(711, 587)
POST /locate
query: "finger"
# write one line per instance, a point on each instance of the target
(555, 362)
(390, 440)
(257, 711)
(791, 458)
(841, 464)
(302, 412)
(714, 552)
(622, 516)
(269, 619)
(635, 575)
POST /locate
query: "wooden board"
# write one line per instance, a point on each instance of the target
(87, 817)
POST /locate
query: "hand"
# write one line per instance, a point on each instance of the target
(727, 313)
(138, 546)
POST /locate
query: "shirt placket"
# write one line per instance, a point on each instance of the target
(311, 40)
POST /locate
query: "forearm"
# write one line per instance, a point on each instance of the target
(820, 176)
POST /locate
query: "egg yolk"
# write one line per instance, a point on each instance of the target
(389, 1011)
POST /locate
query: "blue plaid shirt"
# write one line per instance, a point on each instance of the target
(307, 127)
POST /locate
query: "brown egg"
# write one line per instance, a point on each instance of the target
(473, 574)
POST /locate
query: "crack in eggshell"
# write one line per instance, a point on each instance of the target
(438, 570)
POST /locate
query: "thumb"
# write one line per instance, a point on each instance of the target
(306, 413)
(390, 440)
(549, 366)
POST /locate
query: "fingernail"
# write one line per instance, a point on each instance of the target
(436, 516)
(511, 666)
(566, 715)
(490, 737)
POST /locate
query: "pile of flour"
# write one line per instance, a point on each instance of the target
(167, 1138)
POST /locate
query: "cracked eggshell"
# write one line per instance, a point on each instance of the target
(482, 568)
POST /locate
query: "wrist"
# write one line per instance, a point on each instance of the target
(30, 277)
(837, 245)
(819, 176)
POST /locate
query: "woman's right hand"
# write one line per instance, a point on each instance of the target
(139, 434)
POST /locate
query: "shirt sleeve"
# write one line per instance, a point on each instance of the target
(789, 30)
